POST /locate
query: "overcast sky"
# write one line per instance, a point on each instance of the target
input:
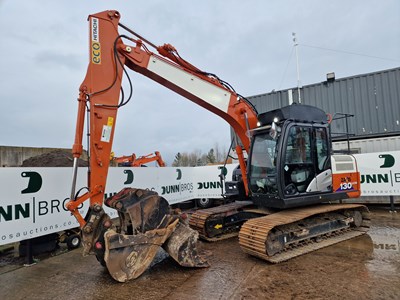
(44, 55)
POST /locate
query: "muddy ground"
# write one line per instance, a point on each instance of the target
(366, 267)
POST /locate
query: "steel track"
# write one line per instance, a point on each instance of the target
(254, 233)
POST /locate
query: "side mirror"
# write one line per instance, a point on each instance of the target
(275, 131)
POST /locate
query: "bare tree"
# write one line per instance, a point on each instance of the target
(197, 158)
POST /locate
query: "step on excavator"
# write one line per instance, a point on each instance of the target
(289, 178)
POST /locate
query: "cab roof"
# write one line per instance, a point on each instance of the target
(296, 112)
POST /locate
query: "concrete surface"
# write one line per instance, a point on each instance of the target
(367, 267)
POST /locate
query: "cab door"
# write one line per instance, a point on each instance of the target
(305, 160)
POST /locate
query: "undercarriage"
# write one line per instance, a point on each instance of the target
(281, 235)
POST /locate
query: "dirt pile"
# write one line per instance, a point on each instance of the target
(56, 158)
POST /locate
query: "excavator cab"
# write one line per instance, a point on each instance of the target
(290, 162)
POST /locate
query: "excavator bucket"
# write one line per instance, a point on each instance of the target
(128, 256)
(146, 223)
(181, 246)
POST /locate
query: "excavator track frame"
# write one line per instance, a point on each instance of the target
(255, 234)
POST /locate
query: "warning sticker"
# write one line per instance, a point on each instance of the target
(110, 121)
(106, 134)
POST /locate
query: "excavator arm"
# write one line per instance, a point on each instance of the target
(99, 99)
(99, 94)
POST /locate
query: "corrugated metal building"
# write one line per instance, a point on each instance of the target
(373, 99)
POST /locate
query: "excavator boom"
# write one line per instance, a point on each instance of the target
(101, 87)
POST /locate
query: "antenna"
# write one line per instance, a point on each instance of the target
(297, 64)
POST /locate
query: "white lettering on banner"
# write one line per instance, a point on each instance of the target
(30, 212)
(41, 211)
(380, 173)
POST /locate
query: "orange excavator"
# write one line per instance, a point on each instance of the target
(289, 178)
(133, 161)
